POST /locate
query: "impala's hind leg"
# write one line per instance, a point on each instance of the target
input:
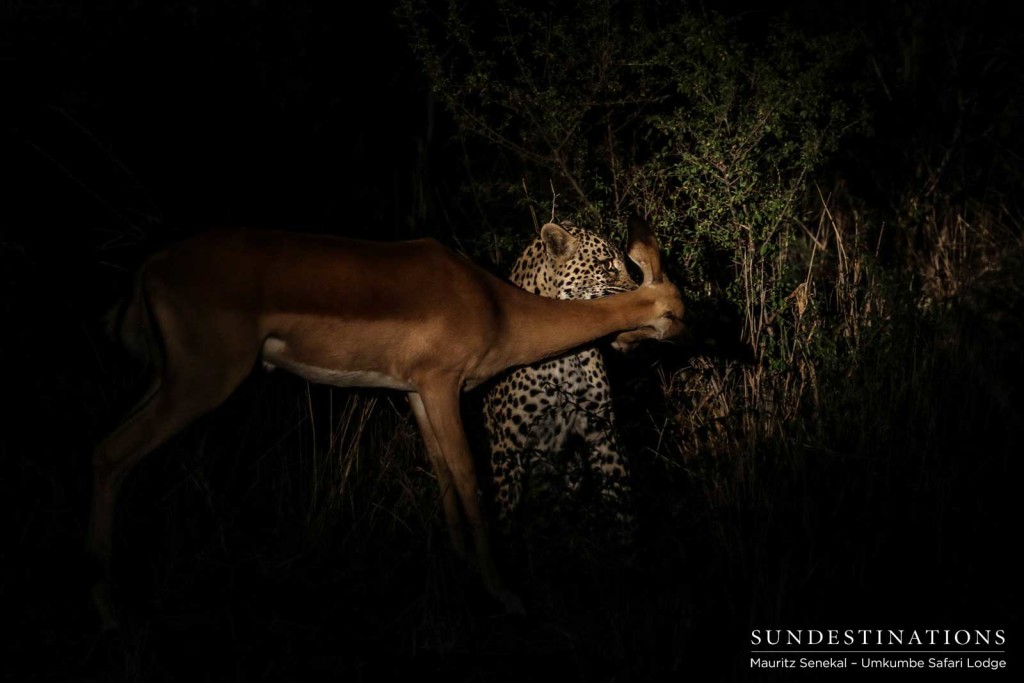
(183, 392)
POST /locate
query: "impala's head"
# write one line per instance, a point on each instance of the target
(667, 320)
(567, 262)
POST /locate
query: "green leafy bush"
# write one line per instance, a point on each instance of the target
(623, 107)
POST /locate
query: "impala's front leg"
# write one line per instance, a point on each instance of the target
(444, 476)
(442, 409)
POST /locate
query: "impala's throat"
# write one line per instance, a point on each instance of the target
(275, 354)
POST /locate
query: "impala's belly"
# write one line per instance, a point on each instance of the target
(275, 355)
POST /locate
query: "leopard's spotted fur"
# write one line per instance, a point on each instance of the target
(553, 422)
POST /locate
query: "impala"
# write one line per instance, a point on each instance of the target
(412, 316)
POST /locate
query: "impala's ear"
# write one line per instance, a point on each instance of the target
(558, 242)
(643, 250)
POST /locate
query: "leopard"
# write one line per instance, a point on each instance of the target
(553, 423)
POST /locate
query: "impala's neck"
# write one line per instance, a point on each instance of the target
(537, 327)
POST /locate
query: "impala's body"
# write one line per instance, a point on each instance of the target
(412, 316)
(292, 319)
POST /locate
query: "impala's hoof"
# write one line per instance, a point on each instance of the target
(104, 605)
(512, 603)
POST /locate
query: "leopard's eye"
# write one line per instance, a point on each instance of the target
(609, 266)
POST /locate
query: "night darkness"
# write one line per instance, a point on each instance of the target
(294, 533)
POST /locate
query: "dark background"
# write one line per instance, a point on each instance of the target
(130, 124)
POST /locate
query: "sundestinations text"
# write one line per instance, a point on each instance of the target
(878, 637)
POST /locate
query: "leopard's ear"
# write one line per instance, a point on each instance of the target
(558, 242)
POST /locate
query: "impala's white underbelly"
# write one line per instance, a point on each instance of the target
(275, 355)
